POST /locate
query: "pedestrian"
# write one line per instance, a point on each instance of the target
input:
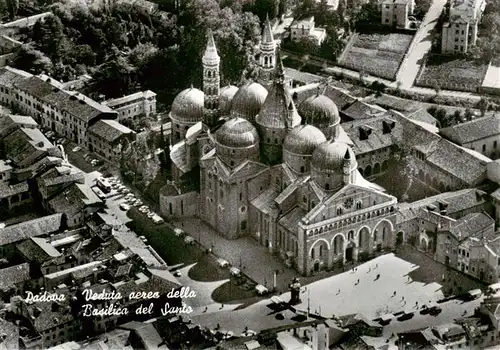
(218, 326)
(221, 307)
(403, 298)
(338, 292)
(206, 309)
(370, 269)
(394, 294)
(378, 276)
(376, 266)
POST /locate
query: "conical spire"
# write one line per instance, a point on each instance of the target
(267, 35)
(211, 56)
(279, 71)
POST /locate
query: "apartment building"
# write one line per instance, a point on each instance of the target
(133, 105)
(395, 13)
(306, 28)
(107, 137)
(460, 31)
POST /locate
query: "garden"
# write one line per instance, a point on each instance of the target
(376, 54)
(451, 73)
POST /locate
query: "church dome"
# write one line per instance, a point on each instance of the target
(303, 139)
(319, 110)
(248, 100)
(226, 96)
(188, 106)
(330, 155)
(237, 133)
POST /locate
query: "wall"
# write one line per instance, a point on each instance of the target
(182, 205)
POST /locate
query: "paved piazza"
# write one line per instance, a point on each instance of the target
(369, 297)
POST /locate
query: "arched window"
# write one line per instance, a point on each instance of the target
(339, 211)
(327, 186)
(350, 235)
(321, 250)
(312, 253)
(302, 169)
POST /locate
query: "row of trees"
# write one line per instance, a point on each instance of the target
(126, 48)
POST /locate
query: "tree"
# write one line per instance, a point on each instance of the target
(263, 8)
(304, 8)
(12, 8)
(32, 60)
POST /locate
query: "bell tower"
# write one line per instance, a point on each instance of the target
(211, 82)
(267, 60)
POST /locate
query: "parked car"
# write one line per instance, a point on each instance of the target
(189, 240)
(144, 209)
(151, 214)
(124, 207)
(177, 273)
(235, 271)
(261, 290)
(178, 232)
(77, 149)
(138, 203)
(157, 219)
(222, 262)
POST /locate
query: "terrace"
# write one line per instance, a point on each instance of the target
(376, 54)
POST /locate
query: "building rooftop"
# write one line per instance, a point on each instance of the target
(32, 228)
(48, 90)
(363, 110)
(129, 98)
(13, 275)
(147, 334)
(471, 225)
(473, 130)
(109, 130)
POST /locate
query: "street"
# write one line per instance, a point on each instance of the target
(420, 46)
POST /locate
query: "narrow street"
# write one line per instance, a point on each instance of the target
(421, 45)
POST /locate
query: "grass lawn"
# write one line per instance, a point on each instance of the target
(231, 292)
(377, 54)
(207, 270)
(171, 248)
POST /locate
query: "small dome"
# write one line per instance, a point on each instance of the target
(248, 100)
(319, 110)
(303, 139)
(330, 155)
(237, 133)
(226, 96)
(188, 106)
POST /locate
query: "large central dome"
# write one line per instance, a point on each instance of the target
(188, 106)
(237, 133)
(248, 100)
(320, 111)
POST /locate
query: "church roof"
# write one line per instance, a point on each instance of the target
(225, 98)
(274, 111)
(188, 106)
(303, 139)
(264, 202)
(319, 110)
(267, 34)
(237, 133)
(248, 100)
(473, 130)
(329, 156)
(291, 220)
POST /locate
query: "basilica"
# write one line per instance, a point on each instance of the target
(282, 173)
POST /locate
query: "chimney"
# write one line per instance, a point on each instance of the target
(289, 117)
(443, 206)
(387, 126)
(364, 132)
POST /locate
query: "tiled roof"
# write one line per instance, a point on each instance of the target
(7, 190)
(13, 275)
(9, 76)
(473, 130)
(129, 239)
(341, 98)
(422, 115)
(265, 201)
(32, 228)
(77, 105)
(471, 225)
(246, 170)
(36, 252)
(291, 220)
(45, 316)
(109, 130)
(24, 142)
(303, 77)
(129, 98)
(455, 161)
(147, 334)
(457, 201)
(377, 139)
(11, 332)
(362, 110)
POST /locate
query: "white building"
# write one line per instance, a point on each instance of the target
(460, 32)
(133, 105)
(305, 28)
(396, 12)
